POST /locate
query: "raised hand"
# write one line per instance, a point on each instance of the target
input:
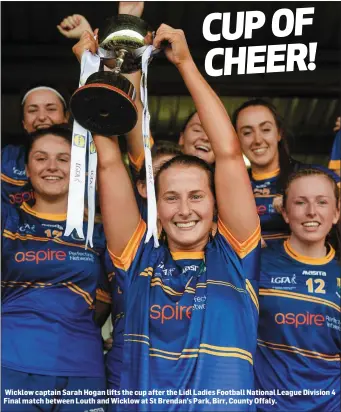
(177, 51)
(134, 8)
(88, 41)
(74, 26)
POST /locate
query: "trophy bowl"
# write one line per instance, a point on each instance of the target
(105, 104)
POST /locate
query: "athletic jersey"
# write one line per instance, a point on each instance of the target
(335, 156)
(265, 190)
(266, 193)
(299, 330)
(190, 320)
(48, 292)
(15, 188)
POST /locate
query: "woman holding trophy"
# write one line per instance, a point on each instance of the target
(187, 303)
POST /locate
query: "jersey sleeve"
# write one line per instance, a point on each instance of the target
(335, 156)
(134, 256)
(137, 163)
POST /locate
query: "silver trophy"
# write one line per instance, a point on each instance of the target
(105, 104)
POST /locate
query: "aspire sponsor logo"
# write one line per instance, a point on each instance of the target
(20, 197)
(170, 312)
(38, 256)
(300, 319)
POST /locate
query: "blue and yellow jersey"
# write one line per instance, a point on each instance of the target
(14, 183)
(48, 296)
(335, 156)
(190, 318)
(265, 190)
(299, 330)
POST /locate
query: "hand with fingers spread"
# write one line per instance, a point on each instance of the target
(74, 26)
(177, 51)
(88, 41)
(133, 8)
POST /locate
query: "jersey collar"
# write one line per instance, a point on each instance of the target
(306, 259)
(187, 255)
(47, 216)
(264, 176)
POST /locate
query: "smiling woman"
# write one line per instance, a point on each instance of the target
(194, 141)
(299, 324)
(41, 107)
(261, 133)
(50, 283)
(188, 302)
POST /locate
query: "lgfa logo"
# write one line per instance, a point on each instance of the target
(79, 140)
(38, 256)
(284, 279)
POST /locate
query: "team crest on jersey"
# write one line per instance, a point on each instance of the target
(338, 287)
(79, 140)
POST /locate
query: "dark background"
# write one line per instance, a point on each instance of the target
(34, 51)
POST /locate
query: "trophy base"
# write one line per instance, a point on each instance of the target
(105, 104)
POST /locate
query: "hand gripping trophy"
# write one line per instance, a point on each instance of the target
(105, 104)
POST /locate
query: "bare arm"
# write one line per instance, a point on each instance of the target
(119, 210)
(236, 204)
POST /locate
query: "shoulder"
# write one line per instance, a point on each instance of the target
(13, 161)
(10, 216)
(272, 252)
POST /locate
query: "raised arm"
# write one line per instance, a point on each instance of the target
(119, 210)
(134, 137)
(235, 200)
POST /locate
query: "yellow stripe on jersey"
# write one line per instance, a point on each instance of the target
(334, 165)
(147, 272)
(138, 163)
(47, 216)
(220, 283)
(263, 176)
(188, 255)
(252, 293)
(306, 259)
(14, 236)
(298, 296)
(76, 289)
(241, 248)
(124, 261)
(299, 351)
(14, 182)
(194, 352)
(275, 236)
(103, 296)
(168, 289)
